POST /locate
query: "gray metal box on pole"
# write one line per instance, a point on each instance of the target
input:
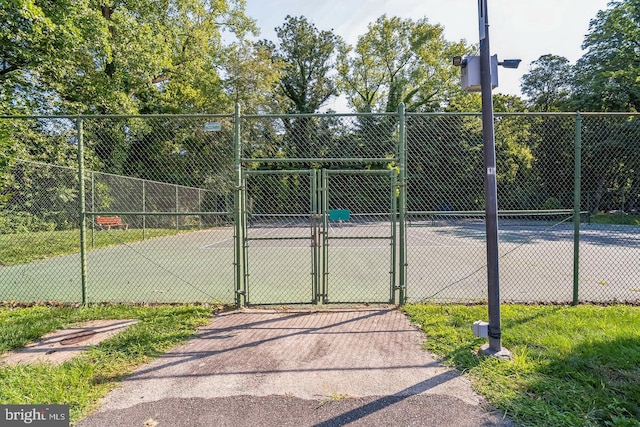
(470, 73)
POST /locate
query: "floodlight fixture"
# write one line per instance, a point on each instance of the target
(510, 63)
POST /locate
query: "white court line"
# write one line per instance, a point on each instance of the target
(418, 236)
(210, 246)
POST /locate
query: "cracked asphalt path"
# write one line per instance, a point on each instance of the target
(298, 368)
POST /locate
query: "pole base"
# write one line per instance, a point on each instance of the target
(503, 354)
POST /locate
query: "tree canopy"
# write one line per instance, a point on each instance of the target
(398, 61)
(308, 55)
(608, 73)
(548, 83)
(88, 56)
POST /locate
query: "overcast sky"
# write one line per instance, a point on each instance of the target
(523, 29)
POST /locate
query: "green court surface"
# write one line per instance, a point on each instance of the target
(444, 264)
(178, 268)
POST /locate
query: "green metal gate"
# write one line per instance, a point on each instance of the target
(319, 236)
(359, 235)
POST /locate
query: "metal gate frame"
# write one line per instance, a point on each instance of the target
(395, 164)
(327, 237)
(245, 290)
(319, 234)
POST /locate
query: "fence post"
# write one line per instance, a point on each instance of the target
(177, 210)
(83, 231)
(93, 209)
(240, 289)
(199, 209)
(144, 210)
(402, 159)
(576, 207)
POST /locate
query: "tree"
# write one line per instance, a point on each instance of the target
(400, 61)
(162, 55)
(607, 75)
(252, 74)
(548, 83)
(606, 80)
(41, 45)
(308, 55)
(90, 56)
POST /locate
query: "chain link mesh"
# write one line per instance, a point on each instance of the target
(361, 251)
(163, 184)
(329, 140)
(610, 243)
(320, 206)
(277, 244)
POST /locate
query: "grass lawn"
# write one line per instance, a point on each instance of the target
(83, 380)
(572, 366)
(615, 218)
(22, 248)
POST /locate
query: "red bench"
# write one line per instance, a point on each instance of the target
(111, 221)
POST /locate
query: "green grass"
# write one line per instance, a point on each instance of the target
(88, 377)
(615, 218)
(572, 366)
(27, 247)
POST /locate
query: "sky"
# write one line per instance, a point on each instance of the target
(518, 29)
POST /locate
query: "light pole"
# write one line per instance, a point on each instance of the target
(480, 74)
(490, 187)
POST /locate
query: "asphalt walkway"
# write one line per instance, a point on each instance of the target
(298, 368)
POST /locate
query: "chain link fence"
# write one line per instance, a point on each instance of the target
(325, 208)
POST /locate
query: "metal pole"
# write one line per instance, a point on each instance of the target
(315, 236)
(576, 207)
(490, 186)
(177, 210)
(240, 287)
(325, 235)
(402, 159)
(394, 218)
(93, 209)
(144, 210)
(83, 209)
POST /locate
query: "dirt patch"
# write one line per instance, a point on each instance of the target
(64, 344)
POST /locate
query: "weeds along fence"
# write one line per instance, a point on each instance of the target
(329, 208)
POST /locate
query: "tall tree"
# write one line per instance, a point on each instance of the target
(607, 75)
(606, 80)
(42, 44)
(252, 74)
(114, 56)
(548, 83)
(309, 57)
(398, 61)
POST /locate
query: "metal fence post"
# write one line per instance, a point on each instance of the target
(83, 231)
(576, 207)
(240, 289)
(402, 159)
(177, 210)
(93, 208)
(144, 210)
(199, 209)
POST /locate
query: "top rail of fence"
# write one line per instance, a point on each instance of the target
(114, 116)
(276, 116)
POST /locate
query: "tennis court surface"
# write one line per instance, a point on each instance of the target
(357, 263)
